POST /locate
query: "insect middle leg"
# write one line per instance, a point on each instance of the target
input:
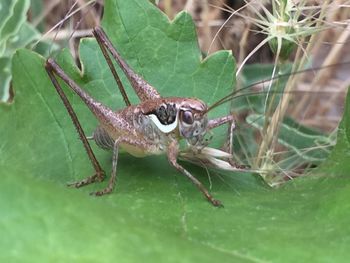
(112, 180)
(137, 143)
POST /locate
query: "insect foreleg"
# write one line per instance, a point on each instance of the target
(99, 173)
(232, 126)
(220, 121)
(228, 147)
(173, 150)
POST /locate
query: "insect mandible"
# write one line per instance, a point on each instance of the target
(154, 126)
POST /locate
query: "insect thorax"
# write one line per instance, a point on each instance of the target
(156, 125)
(153, 127)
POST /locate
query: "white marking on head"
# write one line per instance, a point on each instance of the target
(164, 128)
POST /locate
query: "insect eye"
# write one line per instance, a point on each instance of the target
(187, 117)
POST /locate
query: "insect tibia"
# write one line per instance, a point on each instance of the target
(143, 90)
(104, 114)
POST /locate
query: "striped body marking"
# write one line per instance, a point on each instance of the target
(165, 117)
(166, 128)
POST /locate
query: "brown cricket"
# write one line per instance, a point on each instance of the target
(152, 127)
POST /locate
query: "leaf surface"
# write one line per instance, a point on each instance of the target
(154, 214)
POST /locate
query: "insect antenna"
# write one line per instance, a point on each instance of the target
(235, 94)
(288, 158)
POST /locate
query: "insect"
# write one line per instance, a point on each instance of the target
(154, 126)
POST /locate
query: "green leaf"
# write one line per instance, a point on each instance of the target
(310, 146)
(26, 35)
(13, 22)
(154, 214)
(6, 11)
(15, 32)
(338, 163)
(253, 75)
(5, 75)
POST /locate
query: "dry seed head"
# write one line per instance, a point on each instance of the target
(286, 26)
(282, 41)
(282, 29)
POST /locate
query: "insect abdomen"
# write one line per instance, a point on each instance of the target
(102, 139)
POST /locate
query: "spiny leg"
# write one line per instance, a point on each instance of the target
(229, 147)
(136, 142)
(172, 156)
(143, 89)
(223, 120)
(112, 68)
(229, 143)
(112, 180)
(99, 173)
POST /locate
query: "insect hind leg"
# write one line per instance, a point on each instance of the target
(142, 88)
(99, 173)
(97, 177)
